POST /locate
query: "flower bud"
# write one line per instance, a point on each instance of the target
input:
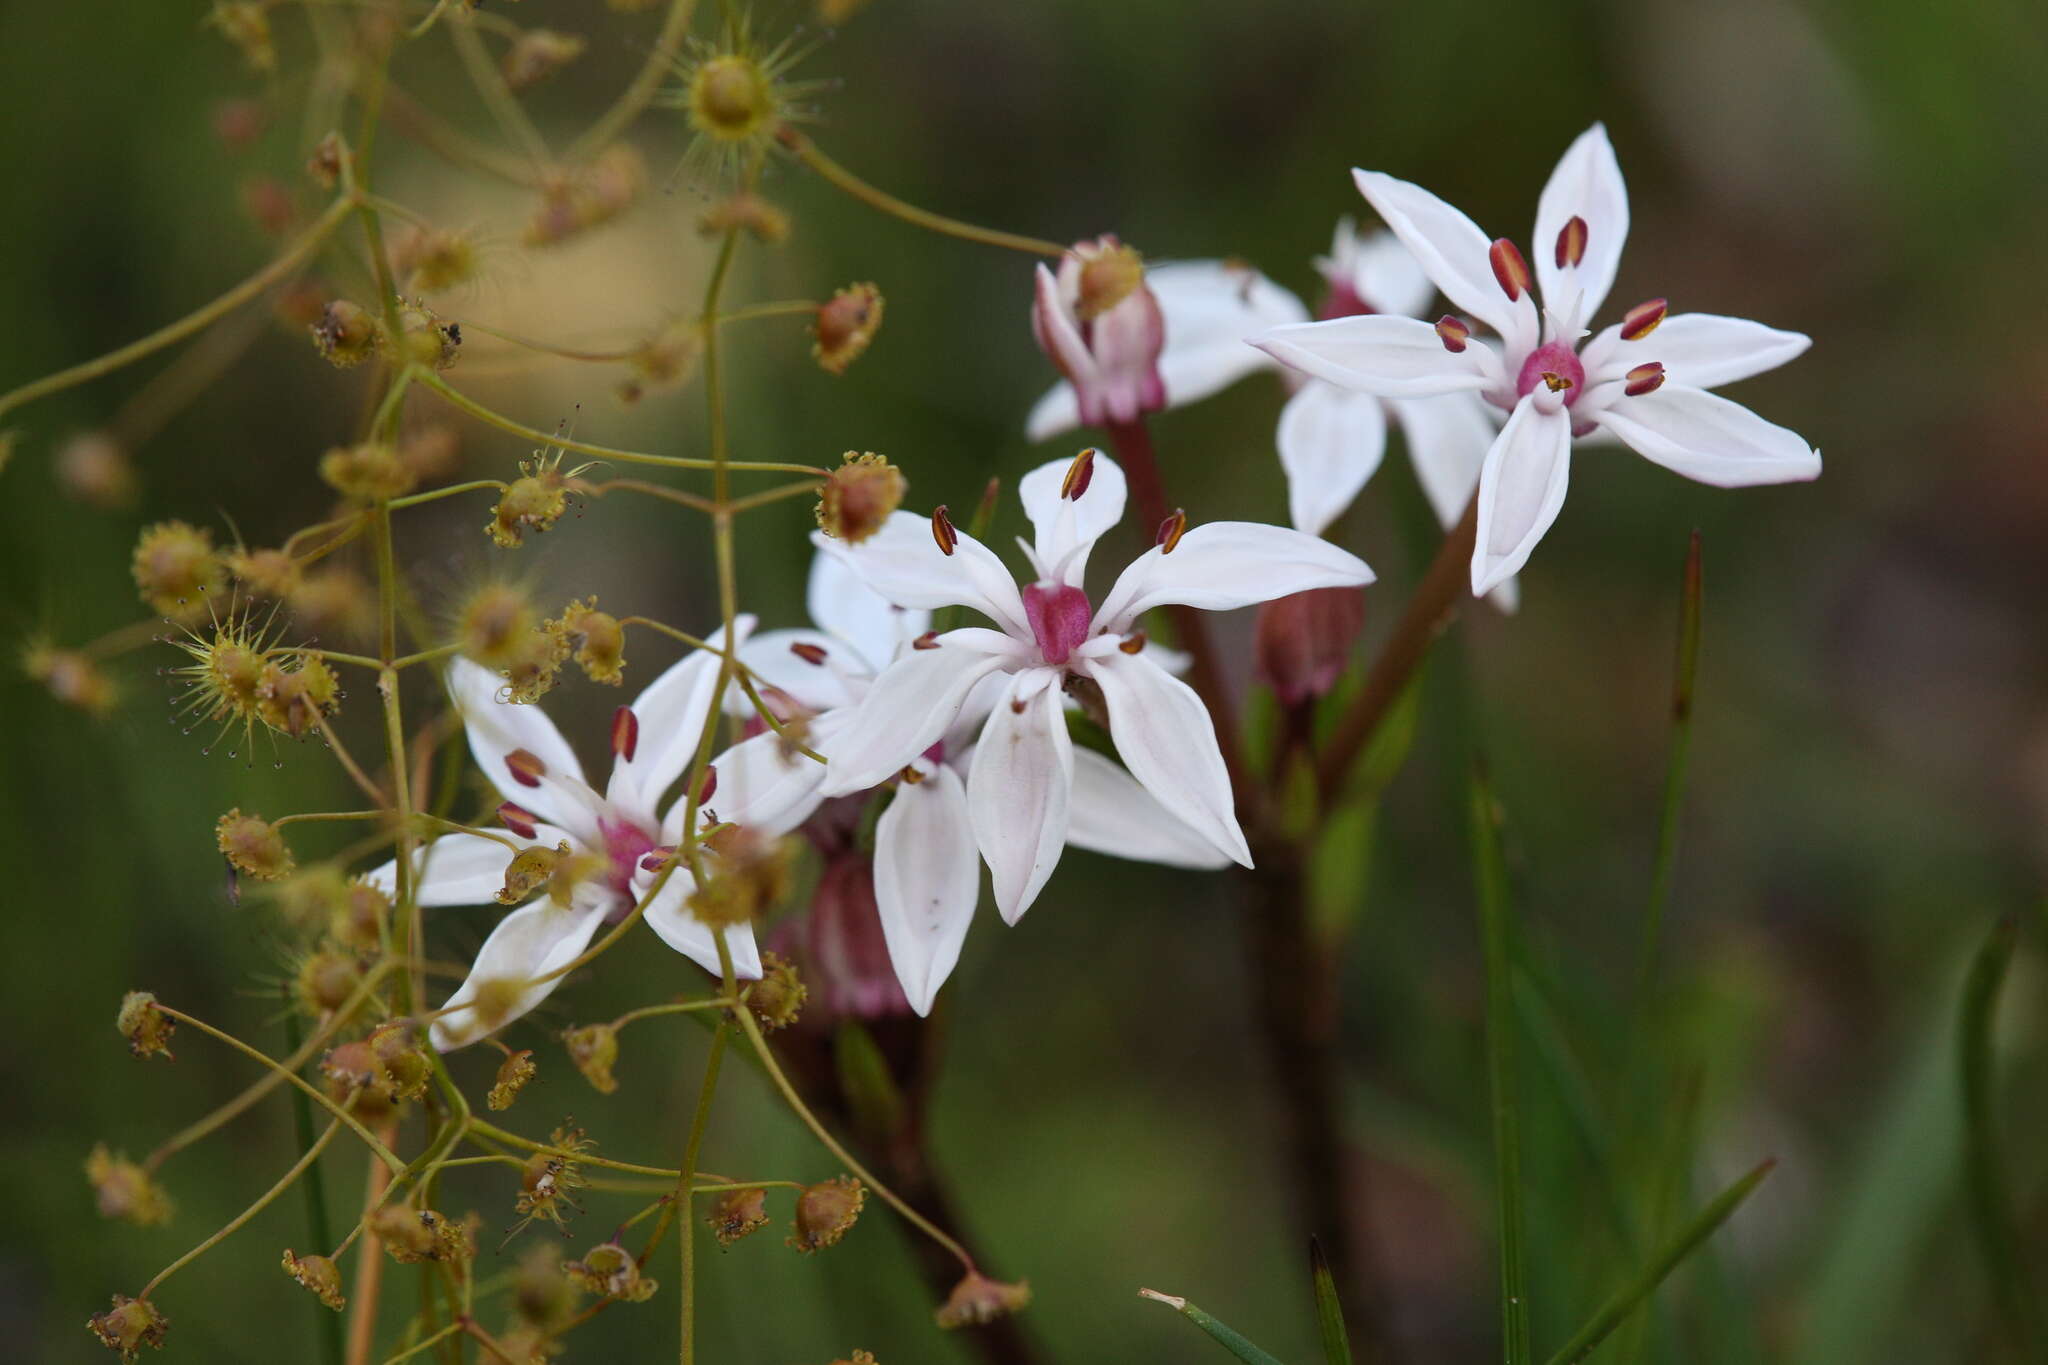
(736, 1213)
(434, 259)
(858, 497)
(130, 1325)
(532, 502)
(513, 1074)
(589, 196)
(730, 97)
(845, 325)
(663, 361)
(370, 472)
(977, 1299)
(495, 624)
(746, 210)
(324, 983)
(550, 1176)
(144, 1024)
(609, 1271)
(423, 339)
(597, 638)
(124, 1190)
(1097, 320)
(253, 846)
(176, 569)
(594, 1048)
(94, 468)
(1302, 642)
(353, 1081)
(264, 573)
(778, 997)
(538, 54)
(402, 1064)
(346, 334)
(293, 701)
(72, 678)
(825, 1211)
(359, 918)
(319, 1276)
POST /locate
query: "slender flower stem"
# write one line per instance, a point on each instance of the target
(693, 1146)
(285, 1182)
(348, 763)
(661, 60)
(453, 145)
(807, 152)
(496, 95)
(425, 1344)
(680, 497)
(302, 247)
(1500, 1071)
(436, 494)
(781, 308)
(1436, 600)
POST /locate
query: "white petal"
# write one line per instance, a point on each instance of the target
(1227, 564)
(1331, 441)
(1697, 350)
(671, 711)
(1451, 250)
(840, 603)
(1377, 353)
(1706, 437)
(764, 784)
(528, 943)
(911, 705)
(1210, 308)
(498, 728)
(1053, 324)
(1587, 184)
(1521, 489)
(1059, 410)
(1067, 528)
(817, 687)
(1387, 278)
(1113, 813)
(904, 564)
(927, 879)
(464, 869)
(1166, 738)
(1447, 441)
(669, 916)
(1019, 788)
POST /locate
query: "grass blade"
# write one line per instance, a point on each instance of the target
(1674, 773)
(1991, 1203)
(1230, 1340)
(1500, 1070)
(1617, 1309)
(1329, 1312)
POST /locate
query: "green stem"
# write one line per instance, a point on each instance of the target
(693, 1146)
(807, 152)
(1222, 1333)
(1991, 1202)
(1500, 1072)
(661, 59)
(1674, 773)
(285, 1182)
(318, 1229)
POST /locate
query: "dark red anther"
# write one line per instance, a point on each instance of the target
(1453, 333)
(1641, 320)
(625, 733)
(1079, 474)
(1644, 379)
(520, 821)
(809, 653)
(1571, 242)
(928, 640)
(1171, 530)
(526, 768)
(1509, 267)
(942, 530)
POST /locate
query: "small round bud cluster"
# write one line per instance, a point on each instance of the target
(730, 98)
(94, 468)
(748, 212)
(352, 913)
(130, 1325)
(246, 25)
(402, 1063)
(144, 1024)
(778, 997)
(859, 496)
(253, 846)
(346, 334)
(594, 1048)
(370, 472)
(412, 1235)
(538, 54)
(609, 1271)
(318, 1276)
(264, 572)
(293, 701)
(534, 501)
(977, 1299)
(71, 678)
(825, 1211)
(434, 259)
(513, 1074)
(325, 981)
(496, 625)
(596, 637)
(124, 1190)
(176, 569)
(845, 325)
(736, 1213)
(423, 339)
(590, 196)
(354, 1081)
(750, 876)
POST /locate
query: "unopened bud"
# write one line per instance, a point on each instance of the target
(317, 1275)
(95, 469)
(538, 54)
(401, 1062)
(750, 876)
(269, 205)
(412, 1235)
(71, 677)
(494, 623)
(423, 339)
(264, 573)
(598, 640)
(736, 1213)
(767, 224)
(1302, 642)
(589, 196)
(354, 1082)
(825, 1211)
(144, 1024)
(594, 1048)
(778, 997)
(359, 920)
(371, 472)
(324, 983)
(176, 569)
(334, 601)
(431, 452)
(513, 1074)
(130, 1325)
(346, 334)
(532, 502)
(532, 667)
(859, 496)
(253, 845)
(845, 325)
(434, 259)
(977, 1299)
(124, 1190)
(730, 97)
(609, 1271)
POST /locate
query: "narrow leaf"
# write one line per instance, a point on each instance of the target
(1617, 1309)
(1329, 1312)
(1229, 1340)
(1991, 1203)
(1500, 1070)
(1686, 673)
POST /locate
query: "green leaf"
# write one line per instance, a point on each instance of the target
(1631, 1296)
(1991, 1203)
(1495, 932)
(1687, 671)
(1231, 1341)
(1329, 1312)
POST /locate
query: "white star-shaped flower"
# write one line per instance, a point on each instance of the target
(1643, 380)
(548, 803)
(1023, 776)
(927, 873)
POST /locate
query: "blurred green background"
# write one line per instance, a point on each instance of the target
(1870, 787)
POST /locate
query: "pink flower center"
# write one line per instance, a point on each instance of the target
(625, 844)
(1553, 366)
(1059, 617)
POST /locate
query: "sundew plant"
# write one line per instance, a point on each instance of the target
(683, 836)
